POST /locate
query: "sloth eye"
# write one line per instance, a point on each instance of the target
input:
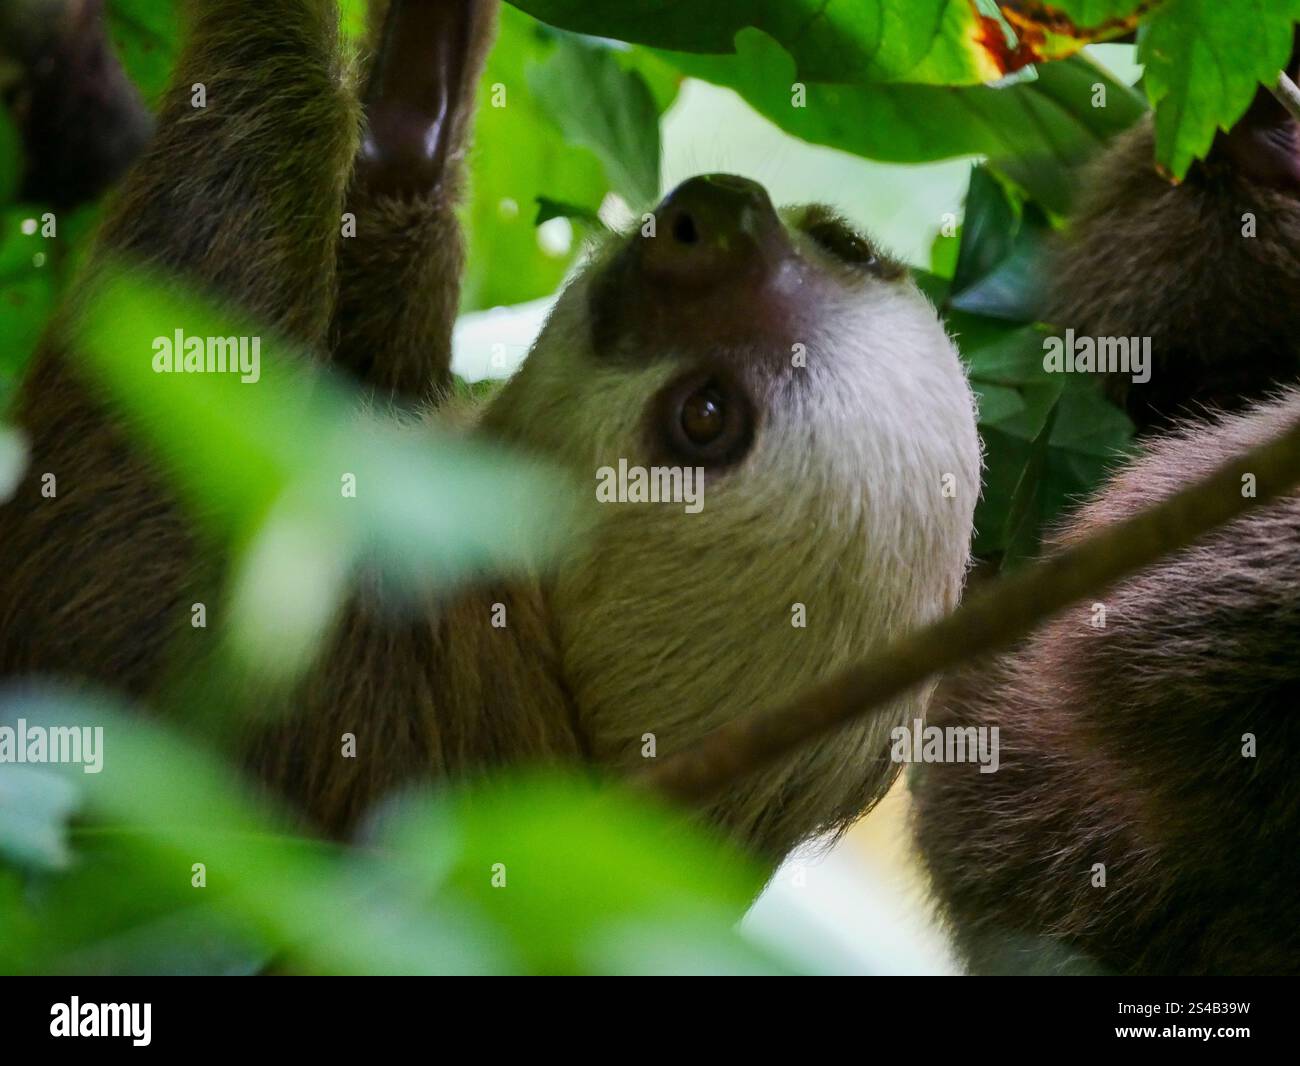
(843, 243)
(835, 236)
(704, 418)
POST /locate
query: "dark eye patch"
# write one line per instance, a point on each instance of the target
(835, 236)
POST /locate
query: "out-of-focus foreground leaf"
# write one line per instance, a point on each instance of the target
(146, 34)
(179, 807)
(532, 873)
(288, 469)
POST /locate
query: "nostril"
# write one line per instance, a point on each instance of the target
(684, 231)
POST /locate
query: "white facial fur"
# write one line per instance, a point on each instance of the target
(671, 623)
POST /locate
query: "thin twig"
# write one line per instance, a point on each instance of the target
(1287, 94)
(990, 620)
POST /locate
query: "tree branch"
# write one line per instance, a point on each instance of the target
(1287, 94)
(990, 620)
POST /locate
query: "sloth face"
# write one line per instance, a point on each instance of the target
(794, 370)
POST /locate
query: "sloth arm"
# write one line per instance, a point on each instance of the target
(105, 570)
(243, 199)
(399, 276)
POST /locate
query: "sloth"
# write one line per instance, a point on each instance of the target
(1196, 267)
(783, 354)
(1144, 816)
(1145, 813)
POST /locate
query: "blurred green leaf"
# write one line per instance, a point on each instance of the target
(188, 941)
(535, 873)
(35, 805)
(288, 469)
(332, 912)
(33, 270)
(1091, 12)
(146, 34)
(564, 866)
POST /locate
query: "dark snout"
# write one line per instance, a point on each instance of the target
(716, 267)
(714, 229)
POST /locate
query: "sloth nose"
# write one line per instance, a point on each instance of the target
(713, 228)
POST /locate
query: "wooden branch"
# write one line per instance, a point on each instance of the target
(1287, 94)
(992, 619)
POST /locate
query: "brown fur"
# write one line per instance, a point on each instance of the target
(110, 566)
(113, 545)
(853, 499)
(1146, 258)
(1123, 746)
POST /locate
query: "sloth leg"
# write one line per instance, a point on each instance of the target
(399, 271)
(241, 197)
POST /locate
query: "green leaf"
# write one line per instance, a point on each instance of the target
(1002, 264)
(333, 913)
(1021, 535)
(598, 104)
(188, 941)
(997, 403)
(1054, 30)
(1092, 12)
(517, 158)
(548, 209)
(988, 229)
(1000, 354)
(146, 34)
(926, 41)
(33, 270)
(567, 867)
(28, 288)
(1049, 439)
(1048, 125)
(264, 463)
(943, 253)
(534, 873)
(1204, 60)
